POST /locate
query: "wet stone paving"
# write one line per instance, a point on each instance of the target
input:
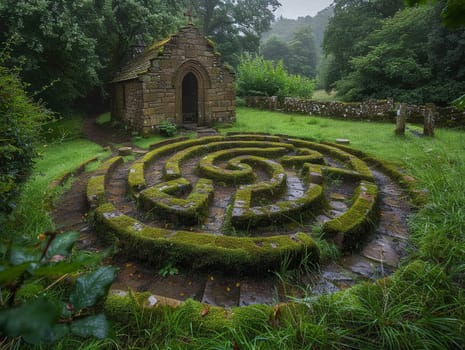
(379, 254)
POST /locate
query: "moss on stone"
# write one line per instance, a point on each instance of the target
(95, 190)
(159, 200)
(358, 221)
(136, 179)
(245, 215)
(303, 156)
(201, 250)
(353, 162)
(238, 170)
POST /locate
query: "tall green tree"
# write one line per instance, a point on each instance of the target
(352, 22)
(73, 47)
(452, 11)
(299, 55)
(303, 54)
(412, 58)
(235, 25)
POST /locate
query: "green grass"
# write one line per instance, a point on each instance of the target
(377, 139)
(64, 129)
(145, 142)
(31, 216)
(103, 118)
(422, 306)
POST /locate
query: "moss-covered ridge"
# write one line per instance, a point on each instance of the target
(233, 160)
(244, 214)
(95, 190)
(202, 250)
(160, 201)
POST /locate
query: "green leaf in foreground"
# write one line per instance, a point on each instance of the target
(91, 287)
(62, 244)
(10, 274)
(35, 322)
(20, 255)
(96, 326)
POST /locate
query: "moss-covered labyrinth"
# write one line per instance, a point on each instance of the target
(242, 202)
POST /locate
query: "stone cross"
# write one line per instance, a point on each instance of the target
(190, 15)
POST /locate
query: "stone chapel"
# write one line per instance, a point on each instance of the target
(180, 80)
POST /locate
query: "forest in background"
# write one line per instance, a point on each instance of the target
(380, 49)
(67, 51)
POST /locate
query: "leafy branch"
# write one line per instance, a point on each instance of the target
(45, 318)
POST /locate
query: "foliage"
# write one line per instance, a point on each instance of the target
(453, 16)
(30, 214)
(46, 317)
(20, 124)
(259, 77)
(235, 25)
(299, 55)
(453, 12)
(73, 47)
(411, 58)
(167, 129)
(353, 20)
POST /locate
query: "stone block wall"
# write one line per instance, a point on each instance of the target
(188, 51)
(373, 110)
(149, 90)
(126, 107)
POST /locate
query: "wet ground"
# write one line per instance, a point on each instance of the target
(378, 257)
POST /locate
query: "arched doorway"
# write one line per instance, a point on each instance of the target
(189, 72)
(190, 99)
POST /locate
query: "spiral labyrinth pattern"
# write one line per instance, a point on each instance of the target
(242, 202)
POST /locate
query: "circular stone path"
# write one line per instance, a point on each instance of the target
(228, 210)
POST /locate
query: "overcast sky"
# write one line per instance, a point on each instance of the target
(301, 8)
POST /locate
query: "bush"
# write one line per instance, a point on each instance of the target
(20, 124)
(259, 77)
(167, 129)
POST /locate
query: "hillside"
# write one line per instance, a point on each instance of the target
(284, 28)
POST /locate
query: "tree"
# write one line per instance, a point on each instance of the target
(452, 13)
(275, 49)
(303, 53)
(453, 16)
(412, 58)
(73, 47)
(299, 55)
(353, 20)
(235, 25)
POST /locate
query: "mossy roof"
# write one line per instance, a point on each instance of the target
(141, 63)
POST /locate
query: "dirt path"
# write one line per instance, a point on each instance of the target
(104, 135)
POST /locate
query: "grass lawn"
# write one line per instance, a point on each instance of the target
(56, 158)
(422, 305)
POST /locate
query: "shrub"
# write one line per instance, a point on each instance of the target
(259, 77)
(20, 121)
(167, 129)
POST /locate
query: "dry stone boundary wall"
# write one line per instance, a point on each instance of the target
(372, 110)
